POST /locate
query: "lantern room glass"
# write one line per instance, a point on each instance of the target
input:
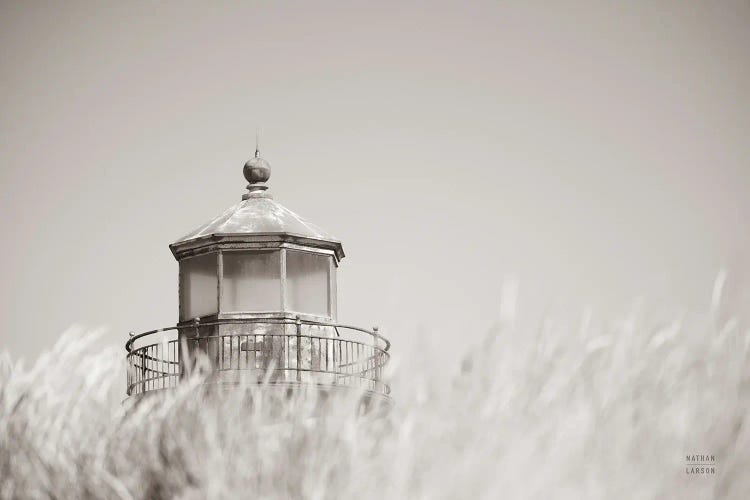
(251, 282)
(198, 286)
(307, 282)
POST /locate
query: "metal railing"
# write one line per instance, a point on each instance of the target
(268, 350)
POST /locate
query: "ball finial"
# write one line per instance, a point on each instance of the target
(257, 170)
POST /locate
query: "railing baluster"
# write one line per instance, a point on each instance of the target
(299, 349)
(160, 355)
(335, 364)
(246, 343)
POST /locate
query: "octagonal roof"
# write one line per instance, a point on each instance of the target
(257, 220)
(259, 213)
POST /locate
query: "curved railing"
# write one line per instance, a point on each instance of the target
(275, 351)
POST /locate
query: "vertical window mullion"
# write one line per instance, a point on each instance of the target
(283, 280)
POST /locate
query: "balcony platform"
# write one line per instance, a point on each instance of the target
(277, 352)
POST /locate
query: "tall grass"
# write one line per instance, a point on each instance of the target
(585, 412)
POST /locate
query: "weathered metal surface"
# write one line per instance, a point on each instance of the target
(256, 170)
(254, 241)
(258, 214)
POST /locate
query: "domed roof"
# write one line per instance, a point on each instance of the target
(258, 214)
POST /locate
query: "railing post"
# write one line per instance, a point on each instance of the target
(131, 366)
(143, 370)
(375, 364)
(197, 350)
(299, 348)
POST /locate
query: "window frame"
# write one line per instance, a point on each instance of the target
(181, 313)
(282, 279)
(330, 284)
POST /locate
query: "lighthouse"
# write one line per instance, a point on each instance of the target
(257, 305)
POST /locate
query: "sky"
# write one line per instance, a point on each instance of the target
(589, 155)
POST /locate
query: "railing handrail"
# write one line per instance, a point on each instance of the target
(278, 321)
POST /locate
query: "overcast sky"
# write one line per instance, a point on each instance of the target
(593, 153)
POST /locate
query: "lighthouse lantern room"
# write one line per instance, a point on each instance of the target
(257, 303)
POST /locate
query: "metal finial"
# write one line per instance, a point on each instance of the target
(257, 171)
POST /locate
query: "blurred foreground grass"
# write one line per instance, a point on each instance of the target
(549, 413)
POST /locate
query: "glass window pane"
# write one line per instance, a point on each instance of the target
(252, 281)
(198, 284)
(307, 282)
